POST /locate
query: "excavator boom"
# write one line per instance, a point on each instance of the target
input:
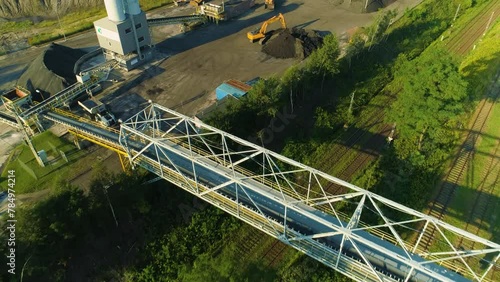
(261, 33)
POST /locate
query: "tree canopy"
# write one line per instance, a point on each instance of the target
(432, 97)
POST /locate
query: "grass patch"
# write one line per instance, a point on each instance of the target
(48, 37)
(481, 65)
(480, 68)
(71, 23)
(147, 5)
(44, 177)
(11, 26)
(484, 160)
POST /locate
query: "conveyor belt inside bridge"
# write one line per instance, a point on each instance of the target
(7, 119)
(84, 127)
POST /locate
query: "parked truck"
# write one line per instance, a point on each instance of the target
(97, 111)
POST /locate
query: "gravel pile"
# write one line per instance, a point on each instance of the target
(295, 43)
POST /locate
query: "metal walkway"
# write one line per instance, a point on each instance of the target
(176, 20)
(9, 120)
(360, 234)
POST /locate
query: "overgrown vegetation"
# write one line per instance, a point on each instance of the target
(11, 26)
(74, 233)
(128, 231)
(433, 97)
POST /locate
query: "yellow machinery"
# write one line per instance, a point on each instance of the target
(261, 33)
(269, 4)
(195, 3)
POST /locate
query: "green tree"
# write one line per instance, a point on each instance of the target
(50, 232)
(377, 30)
(308, 269)
(265, 97)
(291, 82)
(324, 60)
(432, 98)
(170, 255)
(225, 266)
(355, 46)
(324, 122)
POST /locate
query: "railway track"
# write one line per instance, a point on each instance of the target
(354, 136)
(248, 243)
(360, 161)
(362, 158)
(484, 198)
(459, 166)
(463, 41)
(274, 253)
(485, 195)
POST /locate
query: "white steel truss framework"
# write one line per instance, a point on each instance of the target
(360, 234)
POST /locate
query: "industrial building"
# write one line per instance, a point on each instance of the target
(124, 33)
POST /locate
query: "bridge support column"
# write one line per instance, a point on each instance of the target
(124, 161)
(76, 141)
(128, 156)
(39, 125)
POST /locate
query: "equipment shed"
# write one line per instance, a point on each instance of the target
(232, 87)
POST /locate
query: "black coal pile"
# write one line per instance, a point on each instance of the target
(61, 60)
(310, 40)
(51, 71)
(295, 43)
(281, 46)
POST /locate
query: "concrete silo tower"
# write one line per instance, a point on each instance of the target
(115, 10)
(133, 7)
(124, 33)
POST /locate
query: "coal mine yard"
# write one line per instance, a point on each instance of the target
(188, 66)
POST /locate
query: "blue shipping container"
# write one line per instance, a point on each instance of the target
(225, 89)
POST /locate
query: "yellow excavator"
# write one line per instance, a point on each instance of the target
(260, 33)
(195, 3)
(269, 4)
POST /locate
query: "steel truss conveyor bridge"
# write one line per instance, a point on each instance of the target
(358, 233)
